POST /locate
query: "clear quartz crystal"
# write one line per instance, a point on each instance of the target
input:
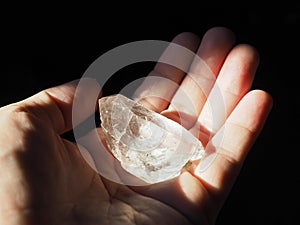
(147, 144)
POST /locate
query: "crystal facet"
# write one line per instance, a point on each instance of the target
(147, 144)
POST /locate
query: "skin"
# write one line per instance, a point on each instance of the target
(44, 178)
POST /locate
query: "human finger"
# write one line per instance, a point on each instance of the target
(54, 105)
(189, 99)
(160, 85)
(234, 81)
(227, 150)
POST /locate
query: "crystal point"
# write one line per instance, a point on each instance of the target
(147, 144)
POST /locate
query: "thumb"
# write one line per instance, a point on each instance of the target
(54, 105)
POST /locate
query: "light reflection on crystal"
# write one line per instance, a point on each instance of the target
(147, 144)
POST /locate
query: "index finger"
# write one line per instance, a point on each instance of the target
(162, 82)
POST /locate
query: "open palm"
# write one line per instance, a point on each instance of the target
(45, 180)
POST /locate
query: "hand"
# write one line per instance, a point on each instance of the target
(45, 180)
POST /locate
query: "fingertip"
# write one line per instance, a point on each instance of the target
(263, 98)
(253, 110)
(220, 30)
(187, 39)
(77, 100)
(65, 92)
(183, 36)
(246, 50)
(215, 45)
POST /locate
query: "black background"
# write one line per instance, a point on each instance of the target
(42, 48)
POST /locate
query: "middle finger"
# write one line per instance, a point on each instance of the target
(189, 99)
